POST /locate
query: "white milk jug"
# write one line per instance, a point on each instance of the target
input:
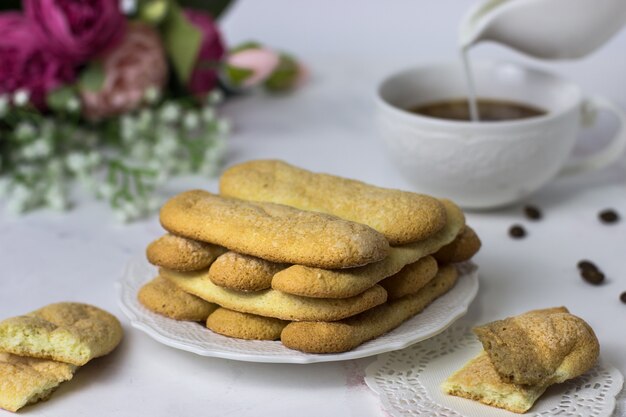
(548, 29)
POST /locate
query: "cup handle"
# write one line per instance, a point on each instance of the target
(611, 152)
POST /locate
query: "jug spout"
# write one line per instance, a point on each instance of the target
(547, 29)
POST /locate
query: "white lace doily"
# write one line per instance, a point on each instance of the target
(195, 338)
(408, 383)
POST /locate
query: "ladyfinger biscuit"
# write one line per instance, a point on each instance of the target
(243, 272)
(272, 231)
(540, 347)
(182, 254)
(344, 335)
(25, 380)
(245, 326)
(479, 381)
(323, 283)
(66, 332)
(162, 297)
(341, 283)
(272, 303)
(411, 278)
(462, 248)
(401, 216)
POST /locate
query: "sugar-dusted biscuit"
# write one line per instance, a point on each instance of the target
(463, 248)
(25, 380)
(540, 347)
(479, 381)
(401, 216)
(162, 297)
(272, 231)
(182, 254)
(411, 278)
(318, 282)
(245, 326)
(341, 283)
(344, 335)
(66, 332)
(272, 303)
(243, 272)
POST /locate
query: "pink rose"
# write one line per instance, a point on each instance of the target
(260, 62)
(77, 29)
(204, 76)
(137, 64)
(25, 63)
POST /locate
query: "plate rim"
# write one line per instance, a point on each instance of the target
(304, 358)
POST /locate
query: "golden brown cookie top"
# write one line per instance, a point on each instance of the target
(401, 216)
(68, 332)
(162, 297)
(540, 347)
(182, 254)
(272, 231)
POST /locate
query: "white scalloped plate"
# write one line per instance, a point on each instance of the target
(408, 383)
(194, 337)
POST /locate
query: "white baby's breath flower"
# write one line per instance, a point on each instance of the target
(223, 127)
(214, 97)
(73, 105)
(208, 114)
(25, 131)
(121, 215)
(152, 95)
(20, 199)
(191, 120)
(127, 128)
(152, 203)
(170, 112)
(55, 199)
(165, 146)
(21, 97)
(76, 162)
(40, 148)
(145, 119)
(107, 190)
(5, 186)
(93, 159)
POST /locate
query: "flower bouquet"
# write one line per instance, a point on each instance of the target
(118, 96)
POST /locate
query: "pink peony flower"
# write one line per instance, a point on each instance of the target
(204, 76)
(137, 64)
(77, 29)
(25, 63)
(260, 61)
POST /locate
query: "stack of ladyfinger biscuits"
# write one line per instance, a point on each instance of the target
(320, 262)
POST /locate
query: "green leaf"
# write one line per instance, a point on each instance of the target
(284, 76)
(244, 46)
(92, 77)
(57, 99)
(10, 4)
(214, 7)
(237, 76)
(182, 42)
(153, 11)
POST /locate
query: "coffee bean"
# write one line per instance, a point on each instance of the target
(623, 297)
(594, 277)
(532, 213)
(517, 232)
(608, 216)
(587, 265)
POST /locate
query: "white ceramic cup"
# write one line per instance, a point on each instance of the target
(488, 164)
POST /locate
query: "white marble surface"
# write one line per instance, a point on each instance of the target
(327, 126)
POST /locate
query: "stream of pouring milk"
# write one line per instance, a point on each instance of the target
(471, 87)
